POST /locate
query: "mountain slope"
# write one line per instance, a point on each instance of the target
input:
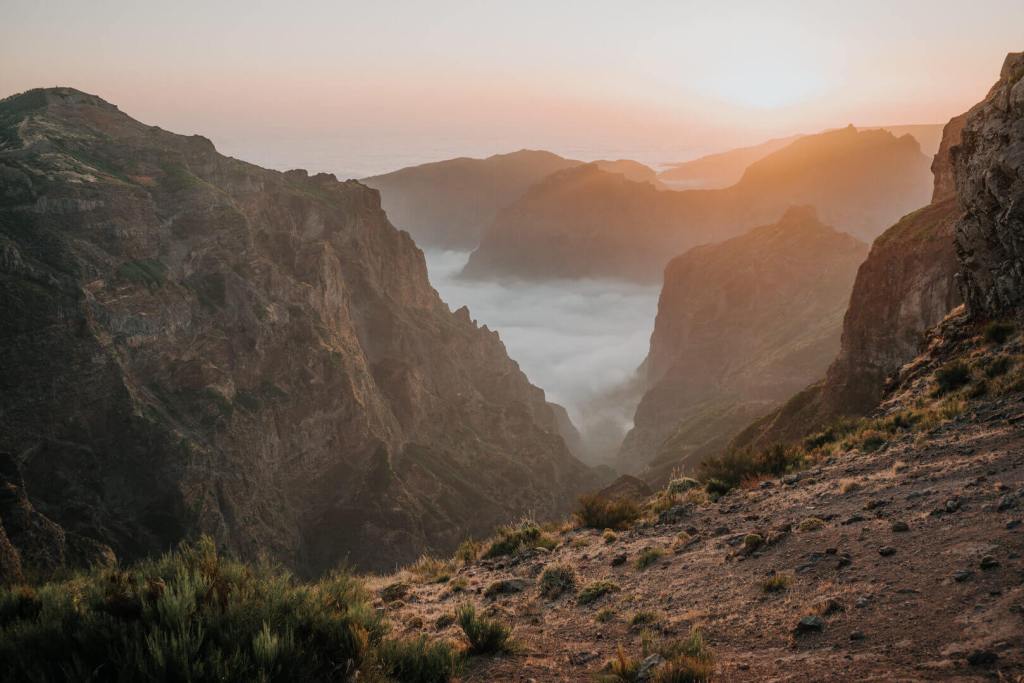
(584, 223)
(195, 344)
(741, 325)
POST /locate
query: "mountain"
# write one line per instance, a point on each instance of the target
(906, 286)
(741, 325)
(193, 344)
(447, 204)
(582, 222)
(721, 169)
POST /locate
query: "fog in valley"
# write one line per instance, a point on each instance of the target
(579, 340)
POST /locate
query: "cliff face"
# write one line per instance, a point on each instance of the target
(447, 204)
(906, 286)
(195, 344)
(582, 222)
(741, 325)
(988, 164)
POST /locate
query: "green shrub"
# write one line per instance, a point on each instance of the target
(556, 580)
(485, 636)
(811, 524)
(648, 556)
(188, 615)
(596, 590)
(511, 540)
(997, 331)
(735, 466)
(597, 512)
(417, 660)
(951, 377)
(644, 618)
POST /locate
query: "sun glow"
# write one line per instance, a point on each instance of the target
(766, 82)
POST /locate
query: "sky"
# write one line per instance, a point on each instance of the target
(361, 87)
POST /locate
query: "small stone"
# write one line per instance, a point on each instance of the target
(1005, 503)
(857, 635)
(831, 606)
(962, 575)
(854, 519)
(862, 602)
(952, 505)
(843, 561)
(982, 658)
(900, 526)
(989, 562)
(619, 559)
(811, 624)
(1013, 524)
(886, 551)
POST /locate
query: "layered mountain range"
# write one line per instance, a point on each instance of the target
(741, 325)
(582, 222)
(448, 204)
(193, 344)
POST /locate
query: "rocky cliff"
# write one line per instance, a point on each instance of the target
(906, 286)
(990, 186)
(741, 325)
(584, 223)
(195, 344)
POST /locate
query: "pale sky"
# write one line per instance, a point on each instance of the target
(369, 85)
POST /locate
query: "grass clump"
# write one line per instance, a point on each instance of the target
(512, 540)
(596, 590)
(604, 615)
(417, 660)
(188, 615)
(810, 524)
(732, 468)
(648, 556)
(468, 551)
(485, 636)
(777, 583)
(998, 331)
(951, 376)
(609, 536)
(597, 512)
(688, 660)
(644, 618)
(429, 569)
(149, 272)
(557, 579)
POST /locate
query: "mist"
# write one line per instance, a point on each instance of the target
(579, 340)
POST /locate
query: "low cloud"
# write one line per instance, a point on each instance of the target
(579, 340)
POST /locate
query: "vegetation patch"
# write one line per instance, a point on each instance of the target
(596, 590)
(148, 272)
(511, 540)
(951, 376)
(999, 331)
(418, 660)
(648, 556)
(598, 512)
(485, 636)
(777, 583)
(557, 579)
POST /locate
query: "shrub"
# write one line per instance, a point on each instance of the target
(777, 583)
(622, 669)
(188, 615)
(730, 469)
(682, 485)
(557, 579)
(595, 591)
(810, 524)
(512, 540)
(429, 569)
(444, 620)
(648, 556)
(609, 536)
(998, 367)
(605, 615)
(644, 618)
(468, 551)
(417, 660)
(951, 377)
(997, 331)
(684, 669)
(485, 636)
(597, 512)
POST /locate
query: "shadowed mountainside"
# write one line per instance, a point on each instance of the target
(193, 344)
(741, 325)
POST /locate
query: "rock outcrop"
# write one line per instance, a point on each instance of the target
(192, 344)
(582, 222)
(989, 167)
(741, 325)
(906, 286)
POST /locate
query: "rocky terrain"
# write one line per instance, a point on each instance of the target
(905, 287)
(193, 344)
(741, 326)
(448, 204)
(582, 222)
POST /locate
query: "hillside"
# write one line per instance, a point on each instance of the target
(741, 325)
(581, 222)
(193, 344)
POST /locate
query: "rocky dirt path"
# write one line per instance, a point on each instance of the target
(916, 573)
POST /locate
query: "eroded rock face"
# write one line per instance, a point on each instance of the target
(193, 344)
(989, 165)
(906, 286)
(741, 325)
